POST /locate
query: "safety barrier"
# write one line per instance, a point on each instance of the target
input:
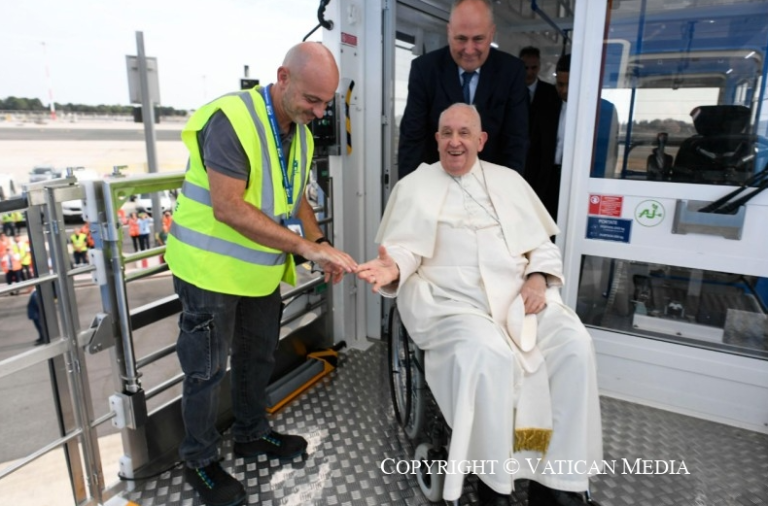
(149, 436)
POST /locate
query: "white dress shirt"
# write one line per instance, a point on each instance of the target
(472, 83)
(561, 134)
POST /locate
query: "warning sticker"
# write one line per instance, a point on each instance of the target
(349, 39)
(605, 205)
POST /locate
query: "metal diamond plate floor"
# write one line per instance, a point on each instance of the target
(349, 422)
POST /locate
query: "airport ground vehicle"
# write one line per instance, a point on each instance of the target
(73, 209)
(674, 300)
(9, 188)
(42, 173)
(144, 202)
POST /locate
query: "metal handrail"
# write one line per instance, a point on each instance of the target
(39, 453)
(81, 403)
(299, 290)
(145, 273)
(13, 204)
(141, 255)
(103, 418)
(29, 283)
(31, 357)
(155, 356)
(165, 385)
(116, 192)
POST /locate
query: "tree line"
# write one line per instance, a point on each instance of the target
(35, 105)
(672, 126)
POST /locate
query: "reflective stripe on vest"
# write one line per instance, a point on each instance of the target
(222, 247)
(267, 195)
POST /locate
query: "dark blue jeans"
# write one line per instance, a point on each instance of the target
(210, 325)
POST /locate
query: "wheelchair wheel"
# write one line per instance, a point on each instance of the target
(430, 482)
(406, 378)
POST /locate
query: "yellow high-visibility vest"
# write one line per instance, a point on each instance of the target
(26, 254)
(79, 242)
(212, 255)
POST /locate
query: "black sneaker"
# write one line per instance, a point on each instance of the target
(215, 486)
(273, 445)
(540, 495)
(489, 497)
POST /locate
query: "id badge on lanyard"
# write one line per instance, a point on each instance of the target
(287, 183)
(294, 225)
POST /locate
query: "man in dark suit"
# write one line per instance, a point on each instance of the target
(543, 121)
(545, 156)
(495, 84)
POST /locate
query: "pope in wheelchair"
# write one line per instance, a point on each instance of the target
(465, 247)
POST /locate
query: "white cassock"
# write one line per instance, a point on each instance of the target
(464, 247)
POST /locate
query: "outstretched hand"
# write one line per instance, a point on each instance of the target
(379, 272)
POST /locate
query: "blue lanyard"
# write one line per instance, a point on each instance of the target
(288, 185)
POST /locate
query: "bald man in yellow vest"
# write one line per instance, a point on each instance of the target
(239, 220)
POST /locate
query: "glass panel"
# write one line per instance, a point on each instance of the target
(692, 306)
(685, 81)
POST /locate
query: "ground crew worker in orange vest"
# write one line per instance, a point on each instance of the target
(86, 229)
(133, 230)
(11, 264)
(80, 247)
(162, 236)
(3, 244)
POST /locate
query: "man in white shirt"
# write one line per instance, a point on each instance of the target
(464, 245)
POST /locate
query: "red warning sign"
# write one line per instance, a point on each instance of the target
(349, 39)
(605, 205)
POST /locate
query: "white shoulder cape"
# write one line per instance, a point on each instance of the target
(410, 219)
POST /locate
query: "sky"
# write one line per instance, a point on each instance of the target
(653, 104)
(201, 46)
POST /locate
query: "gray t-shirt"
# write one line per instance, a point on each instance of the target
(221, 148)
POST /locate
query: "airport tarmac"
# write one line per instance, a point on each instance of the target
(94, 144)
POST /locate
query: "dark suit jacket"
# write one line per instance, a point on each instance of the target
(539, 166)
(501, 99)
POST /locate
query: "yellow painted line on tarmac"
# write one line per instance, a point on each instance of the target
(119, 501)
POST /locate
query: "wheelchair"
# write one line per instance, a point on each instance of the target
(417, 412)
(415, 409)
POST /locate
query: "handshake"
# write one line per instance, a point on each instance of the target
(379, 272)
